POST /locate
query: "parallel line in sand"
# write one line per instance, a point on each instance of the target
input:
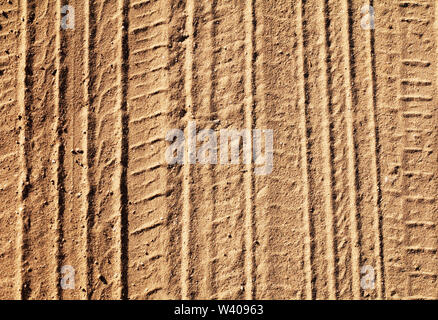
(436, 75)
(33, 286)
(410, 248)
(259, 42)
(248, 179)
(354, 232)
(328, 181)
(375, 168)
(122, 80)
(90, 121)
(303, 102)
(79, 85)
(59, 147)
(71, 232)
(187, 208)
(9, 105)
(211, 87)
(404, 187)
(24, 133)
(104, 157)
(210, 274)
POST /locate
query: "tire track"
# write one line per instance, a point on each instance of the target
(352, 156)
(377, 216)
(10, 150)
(89, 147)
(327, 150)
(319, 152)
(175, 119)
(187, 249)
(228, 100)
(202, 194)
(60, 84)
(87, 111)
(278, 205)
(72, 130)
(343, 148)
(39, 192)
(123, 77)
(387, 50)
(89, 123)
(105, 143)
(23, 99)
(155, 103)
(418, 166)
(409, 161)
(367, 150)
(249, 89)
(304, 149)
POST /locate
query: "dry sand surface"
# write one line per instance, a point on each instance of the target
(349, 210)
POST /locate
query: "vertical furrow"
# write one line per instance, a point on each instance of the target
(319, 151)
(261, 260)
(352, 163)
(12, 162)
(388, 49)
(23, 100)
(123, 73)
(278, 194)
(60, 83)
(304, 156)
(366, 146)
(203, 175)
(155, 102)
(86, 144)
(377, 216)
(71, 164)
(40, 192)
(337, 113)
(228, 101)
(343, 148)
(187, 249)
(176, 118)
(328, 157)
(105, 154)
(248, 176)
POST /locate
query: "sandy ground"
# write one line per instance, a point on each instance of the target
(348, 212)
